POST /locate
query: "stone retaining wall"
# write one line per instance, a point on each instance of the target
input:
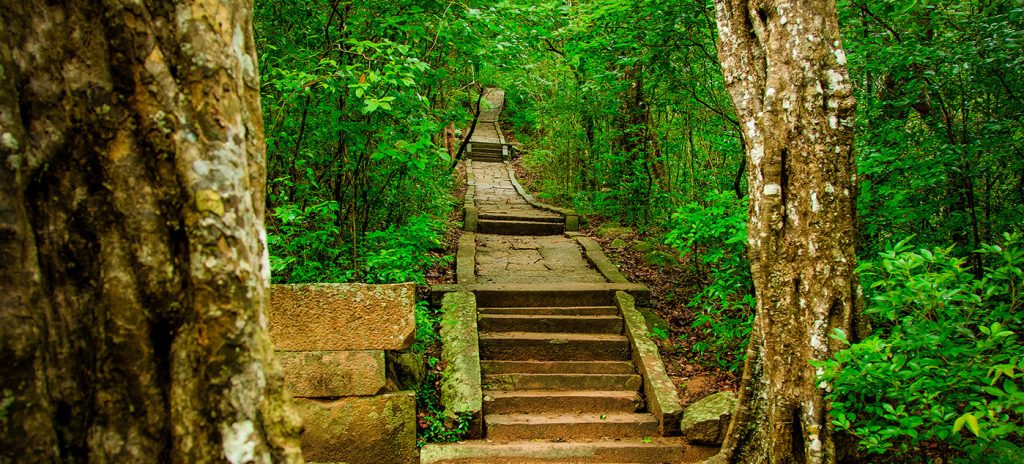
(330, 341)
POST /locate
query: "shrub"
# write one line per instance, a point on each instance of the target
(942, 368)
(404, 253)
(715, 236)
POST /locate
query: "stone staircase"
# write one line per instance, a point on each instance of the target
(487, 152)
(560, 384)
(520, 223)
(554, 363)
(559, 373)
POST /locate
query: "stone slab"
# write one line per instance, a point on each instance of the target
(372, 429)
(662, 399)
(706, 420)
(461, 389)
(342, 317)
(330, 374)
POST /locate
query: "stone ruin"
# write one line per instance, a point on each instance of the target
(331, 340)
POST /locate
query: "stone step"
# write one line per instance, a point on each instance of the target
(558, 295)
(557, 367)
(523, 216)
(549, 323)
(658, 450)
(487, 151)
(509, 427)
(559, 311)
(503, 227)
(561, 402)
(525, 346)
(561, 382)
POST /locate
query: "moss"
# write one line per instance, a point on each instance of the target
(612, 230)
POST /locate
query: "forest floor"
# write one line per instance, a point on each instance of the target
(672, 285)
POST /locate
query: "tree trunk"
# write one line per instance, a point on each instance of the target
(133, 259)
(785, 70)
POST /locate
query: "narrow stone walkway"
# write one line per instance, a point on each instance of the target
(531, 259)
(567, 371)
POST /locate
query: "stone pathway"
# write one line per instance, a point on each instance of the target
(531, 259)
(567, 371)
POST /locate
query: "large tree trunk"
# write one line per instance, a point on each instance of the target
(785, 70)
(133, 260)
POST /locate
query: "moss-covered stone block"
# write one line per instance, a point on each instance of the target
(342, 317)
(318, 374)
(360, 429)
(617, 244)
(612, 230)
(653, 319)
(706, 421)
(461, 389)
(660, 258)
(662, 399)
(641, 247)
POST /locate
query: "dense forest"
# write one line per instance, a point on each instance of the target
(619, 109)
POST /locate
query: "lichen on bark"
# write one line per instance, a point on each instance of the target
(133, 260)
(785, 71)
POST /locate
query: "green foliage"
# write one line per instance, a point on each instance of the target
(940, 119)
(427, 321)
(946, 354)
(304, 244)
(356, 100)
(715, 237)
(403, 254)
(433, 426)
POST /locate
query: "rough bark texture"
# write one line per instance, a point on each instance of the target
(133, 260)
(785, 69)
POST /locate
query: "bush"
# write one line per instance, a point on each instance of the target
(403, 254)
(941, 370)
(715, 236)
(304, 244)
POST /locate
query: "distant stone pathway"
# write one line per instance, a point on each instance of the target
(487, 130)
(496, 196)
(567, 371)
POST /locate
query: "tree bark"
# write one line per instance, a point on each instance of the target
(133, 258)
(785, 70)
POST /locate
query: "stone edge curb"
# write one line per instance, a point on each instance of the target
(465, 354)
(662, 400)
(465, 259)
(572, 220)
(598, 259)
(469, 202)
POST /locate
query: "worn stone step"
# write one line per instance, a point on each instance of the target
(523, 346)
(561, 382)
(486, 151)
(557, 367)
(519, 227)
(657, 450)
(589, 426)
(523, 216)
(549, 323)
(559, 311)
(562, 402)
(560, 295)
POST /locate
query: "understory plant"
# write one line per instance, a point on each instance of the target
(715, 237)
(942, 371)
